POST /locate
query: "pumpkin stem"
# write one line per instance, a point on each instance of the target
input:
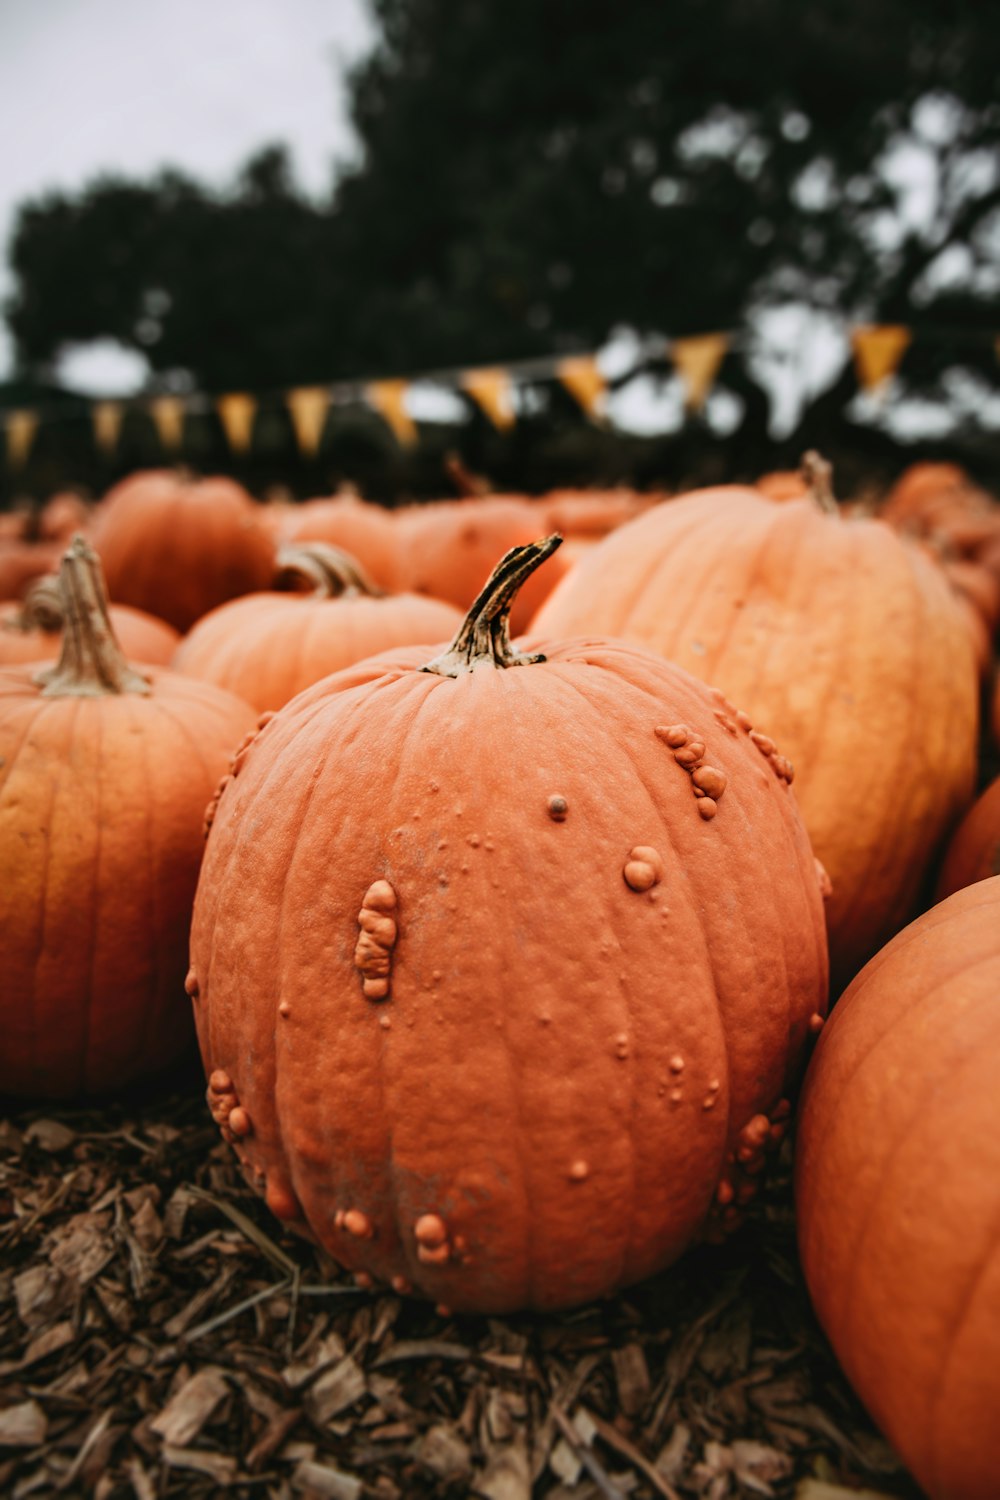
(41, 608)
(91, 663)
(484, 635)
(817, 475)
(333, 574)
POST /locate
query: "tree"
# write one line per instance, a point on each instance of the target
(535, 173)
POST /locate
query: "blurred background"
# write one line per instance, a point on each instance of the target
(574, 241)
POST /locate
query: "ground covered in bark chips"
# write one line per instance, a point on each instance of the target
(161, 1336)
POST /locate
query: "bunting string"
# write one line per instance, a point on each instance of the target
(877, 350)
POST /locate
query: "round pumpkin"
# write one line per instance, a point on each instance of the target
(177, 547)
(104, 777)
(446, 549)
(355, 526)
(32, 630)
(503, 963)
(974, 851)
(898, 1191)
(844, 640)
(268, 647)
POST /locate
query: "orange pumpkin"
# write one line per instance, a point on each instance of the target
(447, 549)
(268, 647)
(355, 526)
(844, 640)
(501, 998)
(898, 1192)
(104, 777)
(32, 630)
(177, 547)
(974, 851)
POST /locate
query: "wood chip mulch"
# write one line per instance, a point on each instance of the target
(160, 1336)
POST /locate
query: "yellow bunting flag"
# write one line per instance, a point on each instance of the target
(107, 416)
(492, 391)
(388, 397)
(697, 362)
(21, 429)
(877, 352)
(236, 412)
(167, 413)
(308, 407)
(584, 381)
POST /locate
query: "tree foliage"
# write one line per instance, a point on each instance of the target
(533, 174)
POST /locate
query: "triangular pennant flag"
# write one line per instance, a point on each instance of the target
(697, 362)
(389, 399)
(877, 352)
(492, 391)
(21, 429)
(107, 418)
(308, 407)
(167, 413)
(236, 412)
(584, 381)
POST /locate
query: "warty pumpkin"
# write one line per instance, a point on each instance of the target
(104, 776)
(844, 640)
(268, 647)
(503, 962)
(898, 1191)
(177, 547)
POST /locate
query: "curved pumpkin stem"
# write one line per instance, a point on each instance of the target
(333, 574)
(41, 608)
(817, 475)
(484, 635)
(91, 663)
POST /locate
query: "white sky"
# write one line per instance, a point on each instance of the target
(129, 86)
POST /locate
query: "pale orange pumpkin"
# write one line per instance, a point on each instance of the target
(898, 1191)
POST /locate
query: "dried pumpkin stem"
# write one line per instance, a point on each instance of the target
(817, 475)
(333, 574)
(484, 635)
(40, 610)
(91, 663)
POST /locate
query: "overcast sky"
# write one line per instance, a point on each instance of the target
(129, 86)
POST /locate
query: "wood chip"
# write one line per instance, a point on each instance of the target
(336, 1390)
(631, 1377)
(187, 1411)
(217, 1466)
(443, 1452)
(23, 1426)
(333, 1484)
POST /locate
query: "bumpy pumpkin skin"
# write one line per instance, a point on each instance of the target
(898, 1191)
(179, 547)
(490, 1004)
(838, 636)
(102, 799)
(268, 647)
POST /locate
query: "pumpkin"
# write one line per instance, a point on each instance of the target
(898, 1191)
(104, 777)
(22, 563)
(974, 850)
(268, 647)
(177, 547)
(364, 531)
(446, 549)
(503, 962)
(32, 630)
(844, 640)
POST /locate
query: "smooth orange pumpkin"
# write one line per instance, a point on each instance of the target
(446, 549)
(268, 647)
(503, 963)
(104, 777)
(844, 640)
(355, 526)
(177, 547)
(32, 630)
(898, 1191)
(974, 851)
